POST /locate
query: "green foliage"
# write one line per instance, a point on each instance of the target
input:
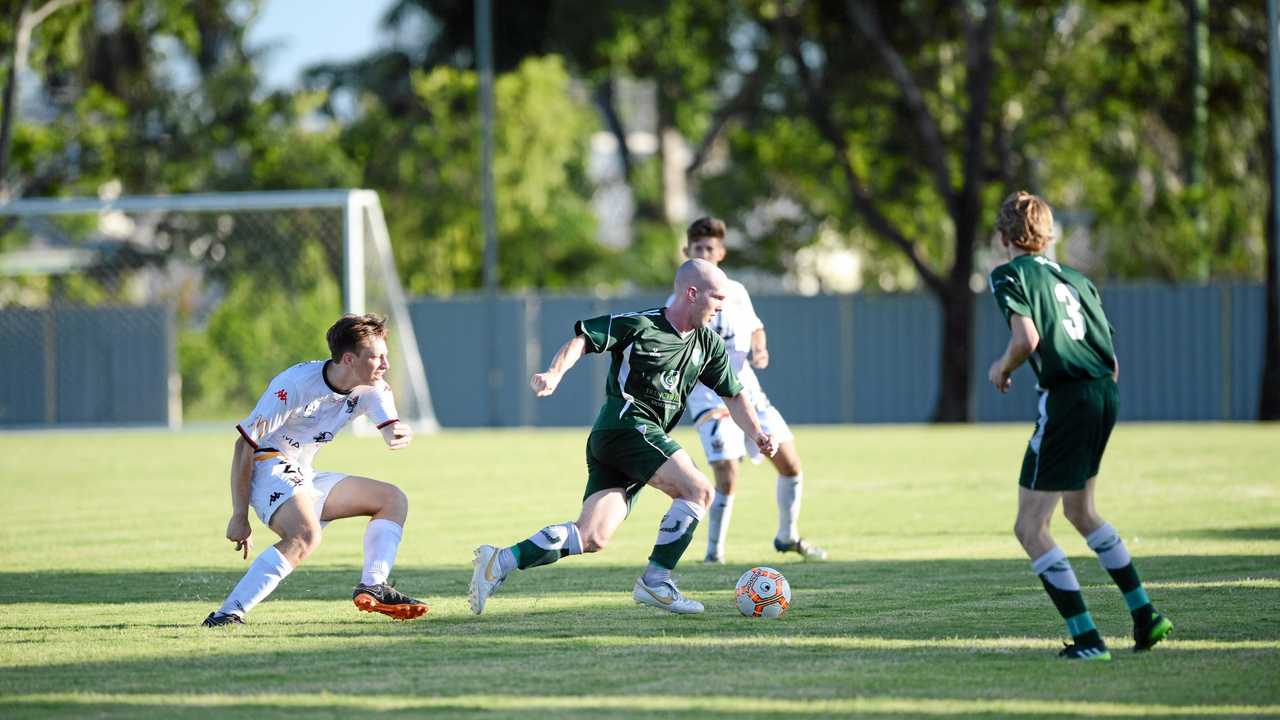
(427, 167)
(259, 329)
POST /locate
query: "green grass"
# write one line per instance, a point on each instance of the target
(111, 552)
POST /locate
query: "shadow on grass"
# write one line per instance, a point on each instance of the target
(870, 629)
(1234, 533)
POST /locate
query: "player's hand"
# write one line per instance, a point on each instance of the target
(397, 435)
(764, 441)
(239, 532)
(759, 358)
(998, 377)
(544, 384)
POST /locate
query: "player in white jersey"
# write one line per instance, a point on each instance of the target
(303, 408)
(744, 336)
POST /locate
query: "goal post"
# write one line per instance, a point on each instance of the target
(155, 309)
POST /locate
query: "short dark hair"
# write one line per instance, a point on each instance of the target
(347, 334)
(705, 227)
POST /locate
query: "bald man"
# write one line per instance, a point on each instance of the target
(657, 356)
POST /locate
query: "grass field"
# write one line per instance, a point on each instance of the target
(111, 552)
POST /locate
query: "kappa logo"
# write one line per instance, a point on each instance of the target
(274, 497)
(284, 396)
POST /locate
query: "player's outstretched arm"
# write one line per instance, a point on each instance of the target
(238, 529)
(745, 417)
(545, 383)
(759, 350)
(1023, 340)
(397, 435)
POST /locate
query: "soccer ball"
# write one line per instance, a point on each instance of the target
(763, 592)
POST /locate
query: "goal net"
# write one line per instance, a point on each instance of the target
(165, 309)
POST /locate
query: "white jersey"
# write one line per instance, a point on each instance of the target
(300, 412)
(735, 323)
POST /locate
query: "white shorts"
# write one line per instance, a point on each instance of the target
(275, 480)
(722, 439)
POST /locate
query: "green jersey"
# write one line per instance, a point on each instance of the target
(1075, 336)
(654, 368)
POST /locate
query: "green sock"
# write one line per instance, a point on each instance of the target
(1059, 579)
(675, 532)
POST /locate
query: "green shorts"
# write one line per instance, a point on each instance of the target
(1071, 434)
(626, 459)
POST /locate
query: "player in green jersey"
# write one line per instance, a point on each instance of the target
(1056, 321)
(657, 356)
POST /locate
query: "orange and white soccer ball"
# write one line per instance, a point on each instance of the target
(763, 592)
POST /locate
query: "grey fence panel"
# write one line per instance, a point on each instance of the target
(1248, 323)
(1187, 353)
(474, 362)
(26, 339)
(1169, 343)
(113, 365)
(581, 392)
(808, 339)
(895, 346)
(991, 337)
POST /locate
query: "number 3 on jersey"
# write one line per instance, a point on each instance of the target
(1074, 321)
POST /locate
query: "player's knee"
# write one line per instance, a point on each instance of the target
(395, 500)
(304, 542)
(1082, 518)
(702, 494)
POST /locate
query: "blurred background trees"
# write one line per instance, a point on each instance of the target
(886, 132)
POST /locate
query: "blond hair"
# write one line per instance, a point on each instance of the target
(1025, 221)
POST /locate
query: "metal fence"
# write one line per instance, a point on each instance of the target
(1186, 353)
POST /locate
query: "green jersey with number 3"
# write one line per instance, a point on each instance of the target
(654, 368)
(1075, 336)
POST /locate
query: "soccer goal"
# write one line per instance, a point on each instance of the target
(164, 309)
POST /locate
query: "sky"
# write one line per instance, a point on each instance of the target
(306, 32)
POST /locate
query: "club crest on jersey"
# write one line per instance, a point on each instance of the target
(669, 379)
(351, 404)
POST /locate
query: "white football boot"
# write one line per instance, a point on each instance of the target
(486, 577)
(665, 597)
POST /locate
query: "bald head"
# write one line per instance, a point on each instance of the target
(700, 292)
(699, 274)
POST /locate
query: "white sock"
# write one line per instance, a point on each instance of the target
(718, 523)
(1106, 542)
(262, 577)
(789, 491)
(1054, 567)
(381, 541)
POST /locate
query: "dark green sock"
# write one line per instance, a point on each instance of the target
(668, 554)
(1126, 578)
(1070, 604)
(528, 554)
